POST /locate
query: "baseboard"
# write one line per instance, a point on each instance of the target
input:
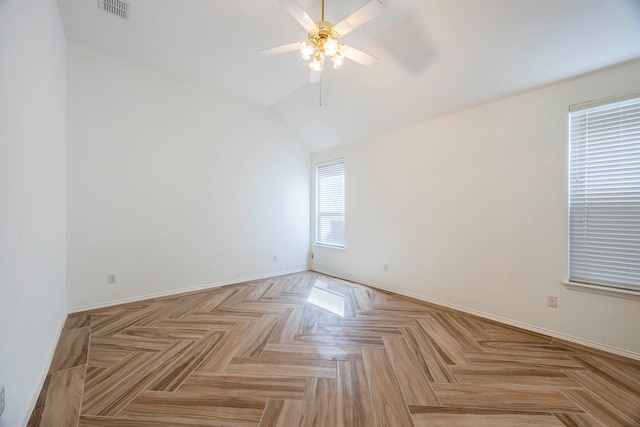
(181, 291)
(521, 325)
(45, 372)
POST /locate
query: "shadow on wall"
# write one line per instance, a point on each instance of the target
(408, 44)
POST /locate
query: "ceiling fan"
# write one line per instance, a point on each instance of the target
(323, 38)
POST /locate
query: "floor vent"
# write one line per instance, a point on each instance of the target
(118, 8)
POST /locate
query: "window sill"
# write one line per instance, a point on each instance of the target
(321, 245)
(603, 290)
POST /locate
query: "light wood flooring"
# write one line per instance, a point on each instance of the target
(310, 350)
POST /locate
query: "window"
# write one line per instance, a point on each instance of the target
(604, 199)
(330, 204)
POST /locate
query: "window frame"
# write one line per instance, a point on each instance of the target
(576, 199)
(316, 211)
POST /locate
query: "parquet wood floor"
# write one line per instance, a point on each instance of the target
(310, 350)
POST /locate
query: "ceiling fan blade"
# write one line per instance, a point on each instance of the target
(359, 17)
(358, 56)
(299, 14)
(280, 49)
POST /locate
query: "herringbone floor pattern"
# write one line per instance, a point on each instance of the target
(310, 350)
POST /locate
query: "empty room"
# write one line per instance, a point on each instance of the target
(319, 213)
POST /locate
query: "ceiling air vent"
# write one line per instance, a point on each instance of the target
(118, 8)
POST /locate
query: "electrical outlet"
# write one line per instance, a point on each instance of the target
(275, 258)
(1, 399)
(386, 268)
(552, 302)
(111, 278)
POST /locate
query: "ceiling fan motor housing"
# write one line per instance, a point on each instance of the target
(321, 34)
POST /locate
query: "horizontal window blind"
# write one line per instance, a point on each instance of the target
(604, 201)
(330, 204)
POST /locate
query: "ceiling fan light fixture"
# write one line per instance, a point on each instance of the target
(306, 50)
(337, 60)
(330, 46)
(318, 60)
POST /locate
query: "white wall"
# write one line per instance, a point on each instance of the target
(32, 198)
(173, 186)
(471, 210)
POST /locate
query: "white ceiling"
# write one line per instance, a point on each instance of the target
(436, 56)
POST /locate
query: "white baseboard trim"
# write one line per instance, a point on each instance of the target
(43, 374)
(181, 291)
(550, 333)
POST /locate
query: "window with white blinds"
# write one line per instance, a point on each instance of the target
(604, 200)
(330, 204)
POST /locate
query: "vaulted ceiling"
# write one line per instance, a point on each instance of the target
(436, 56)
